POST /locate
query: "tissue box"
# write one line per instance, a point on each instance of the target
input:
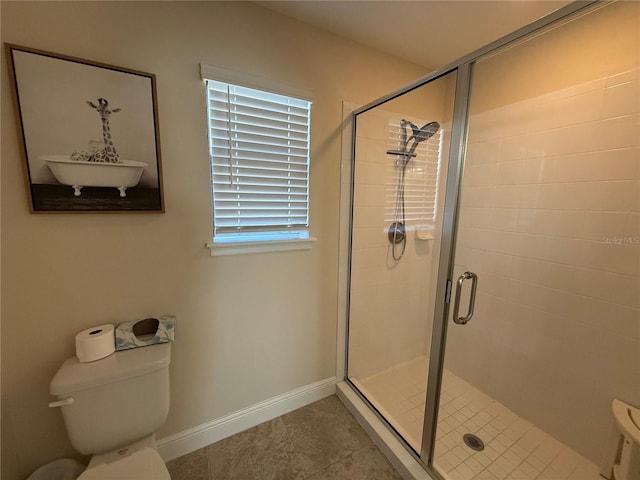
(141, 333)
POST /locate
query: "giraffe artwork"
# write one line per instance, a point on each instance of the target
(100, 153)
(76, 158)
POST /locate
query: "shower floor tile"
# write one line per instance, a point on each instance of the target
(515, 449)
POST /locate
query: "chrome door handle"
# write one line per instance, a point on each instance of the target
(472, 300)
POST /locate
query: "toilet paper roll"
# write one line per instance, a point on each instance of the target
(95, 343)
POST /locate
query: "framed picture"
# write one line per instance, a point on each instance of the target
(89, 133)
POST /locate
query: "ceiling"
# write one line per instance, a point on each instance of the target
(431, 33)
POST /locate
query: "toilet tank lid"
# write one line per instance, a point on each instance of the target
(74, 376)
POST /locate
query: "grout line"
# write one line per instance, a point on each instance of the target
(534, 234)
(541, 183)
(545, 261)
(552, 311)
(539, 209)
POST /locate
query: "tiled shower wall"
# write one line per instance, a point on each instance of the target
(550, 222)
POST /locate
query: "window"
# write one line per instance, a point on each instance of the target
(259, 151)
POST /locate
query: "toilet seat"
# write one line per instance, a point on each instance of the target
(622, 458)
(143, 464)
(628, 419)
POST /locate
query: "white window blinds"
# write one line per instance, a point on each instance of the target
(259, 148)
(420, 181)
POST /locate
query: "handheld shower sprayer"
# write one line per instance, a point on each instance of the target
(397, 231)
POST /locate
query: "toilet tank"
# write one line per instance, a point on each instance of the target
(116, 400)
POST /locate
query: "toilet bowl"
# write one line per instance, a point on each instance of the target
(112, 408)
(622, 461)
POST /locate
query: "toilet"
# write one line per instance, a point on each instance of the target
(112, 408)
(622, 460)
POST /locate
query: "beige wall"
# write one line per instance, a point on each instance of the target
(250, 326)
(550, 222)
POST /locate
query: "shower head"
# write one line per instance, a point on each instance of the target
(421, 134)
(425, 132)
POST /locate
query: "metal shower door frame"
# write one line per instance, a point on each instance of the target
(444, 284)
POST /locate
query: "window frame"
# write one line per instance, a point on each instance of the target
(268, 239)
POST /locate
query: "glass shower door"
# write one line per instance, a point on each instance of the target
(399, 176)
(549, 221)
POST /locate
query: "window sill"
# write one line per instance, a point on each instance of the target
(239, 248)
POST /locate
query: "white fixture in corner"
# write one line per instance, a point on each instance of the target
(622, 461)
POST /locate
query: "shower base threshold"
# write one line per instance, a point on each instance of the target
(514, 448)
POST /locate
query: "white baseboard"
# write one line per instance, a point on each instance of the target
(188, 441)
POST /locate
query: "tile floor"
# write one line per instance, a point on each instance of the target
(321, 441)
(515, 449)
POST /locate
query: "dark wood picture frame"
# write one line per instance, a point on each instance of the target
(89, 133)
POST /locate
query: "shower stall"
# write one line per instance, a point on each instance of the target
(492, 267)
